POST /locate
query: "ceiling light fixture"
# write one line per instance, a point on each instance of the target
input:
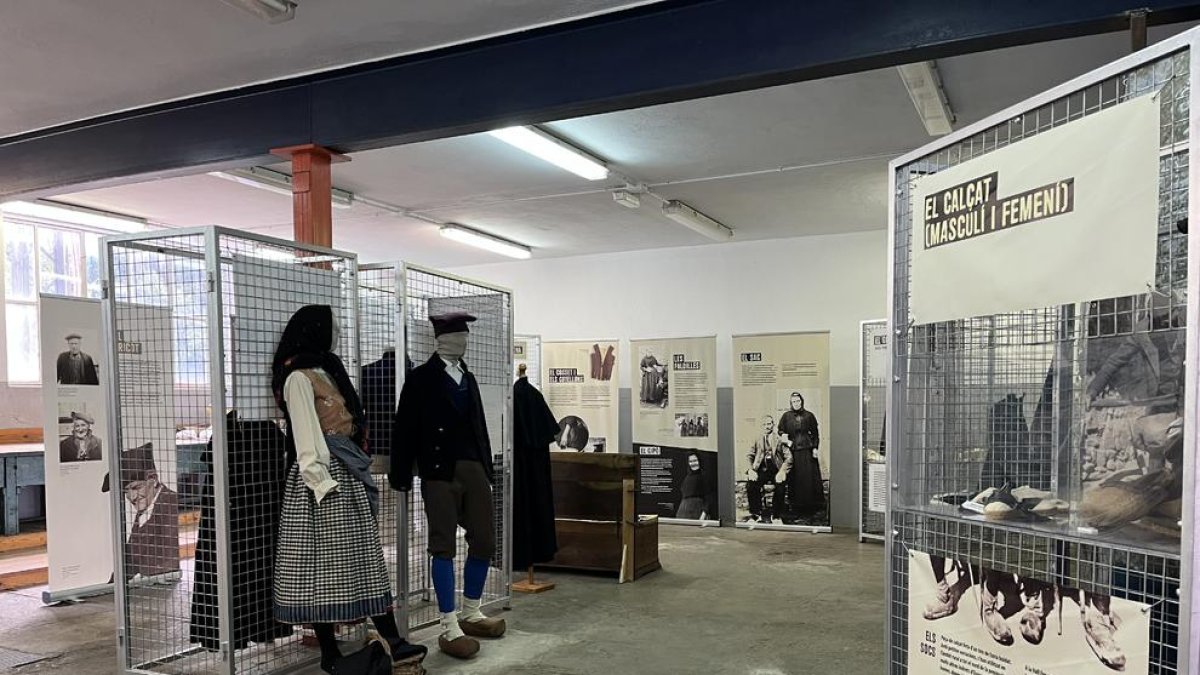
(271, 11)
(465, 235)
(76, 215)
(278, 182)
(550, 148)
(629, 200)
(691, 218)
(924, 87)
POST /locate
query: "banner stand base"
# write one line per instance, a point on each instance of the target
(864, 537)
(814, 529)
(690, 522)
(50, 598)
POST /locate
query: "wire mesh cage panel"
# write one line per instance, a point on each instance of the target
(489, 357)
(193, 318)
(872, 389)
(1041, 399)
(380, 336)
(527, 351)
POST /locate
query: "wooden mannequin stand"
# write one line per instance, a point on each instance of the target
(531, 585)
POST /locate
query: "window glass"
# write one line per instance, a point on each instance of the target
(23, 352)
(20, 276)
(61, 261)
(92, 275)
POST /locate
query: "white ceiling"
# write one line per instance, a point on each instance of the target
(66, 60)
(802, 159)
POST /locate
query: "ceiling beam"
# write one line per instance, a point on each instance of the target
(649, 55)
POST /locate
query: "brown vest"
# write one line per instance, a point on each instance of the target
(331, 406)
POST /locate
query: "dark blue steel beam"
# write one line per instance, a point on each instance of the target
(650, 55)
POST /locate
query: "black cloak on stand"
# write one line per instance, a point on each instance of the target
(257, 465)
(534, 428)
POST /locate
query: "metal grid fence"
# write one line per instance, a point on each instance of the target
(382, 353)
(193, 318)
(872, 404)
(489, 358)
(1004, 398)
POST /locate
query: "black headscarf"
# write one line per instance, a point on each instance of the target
(307, 342)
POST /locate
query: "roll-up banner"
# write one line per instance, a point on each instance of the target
(579, 380)
(781, 430)
(75, 375)
(674, 403)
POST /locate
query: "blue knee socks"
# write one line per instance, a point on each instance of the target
(474, 576)
(443, 583)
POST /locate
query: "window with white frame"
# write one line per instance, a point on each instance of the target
(42, 257)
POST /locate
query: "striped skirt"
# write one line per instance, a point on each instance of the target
(329, 564)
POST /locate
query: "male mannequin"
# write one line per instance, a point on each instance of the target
(441, 432)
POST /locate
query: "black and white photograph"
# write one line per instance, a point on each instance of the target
(80, 442)
(1132, 462)
(654, 367)
(573, 434)
(967, 615)
(691, 425)
(152, 515)
(74, 366)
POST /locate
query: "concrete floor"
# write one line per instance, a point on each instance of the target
(727, 601)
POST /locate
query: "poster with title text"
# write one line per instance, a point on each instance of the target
(579, 381)
(1071, 208)
(674, 403)
(969, 620)
(781, 429)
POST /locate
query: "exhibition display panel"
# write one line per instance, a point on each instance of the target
(527, 350)
(872, 397)
(1041, 418)
(192, 319)
(489, 356)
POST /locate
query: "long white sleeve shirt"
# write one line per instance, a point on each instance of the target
(312, 453)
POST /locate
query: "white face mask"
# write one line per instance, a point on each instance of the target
(452, 346)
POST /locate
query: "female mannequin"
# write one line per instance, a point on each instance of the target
(329, 565)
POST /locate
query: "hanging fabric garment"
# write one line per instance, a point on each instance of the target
(1008, 443)
(257, 467)
(534, 429)
(597, 362)
(610, 360)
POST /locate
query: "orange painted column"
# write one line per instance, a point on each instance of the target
(312, 192)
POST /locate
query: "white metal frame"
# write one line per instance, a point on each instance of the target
(404, 517)
(1189, 593)
(212, 255)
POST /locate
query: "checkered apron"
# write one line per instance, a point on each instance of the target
(329, 564)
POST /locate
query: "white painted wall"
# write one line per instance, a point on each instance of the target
(806, 283)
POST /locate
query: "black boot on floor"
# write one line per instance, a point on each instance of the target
(370, 660)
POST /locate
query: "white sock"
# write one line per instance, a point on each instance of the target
(450, 629)
(470, 610)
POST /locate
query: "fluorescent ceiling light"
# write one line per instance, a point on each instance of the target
(689, 217)
(75, 215)
(925, 89)
(271, 11)
(486, 241)
(278, 182)
(551, 149)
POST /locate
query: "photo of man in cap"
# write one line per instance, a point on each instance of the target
(74, 366)
(152, 516)
(81, 445)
